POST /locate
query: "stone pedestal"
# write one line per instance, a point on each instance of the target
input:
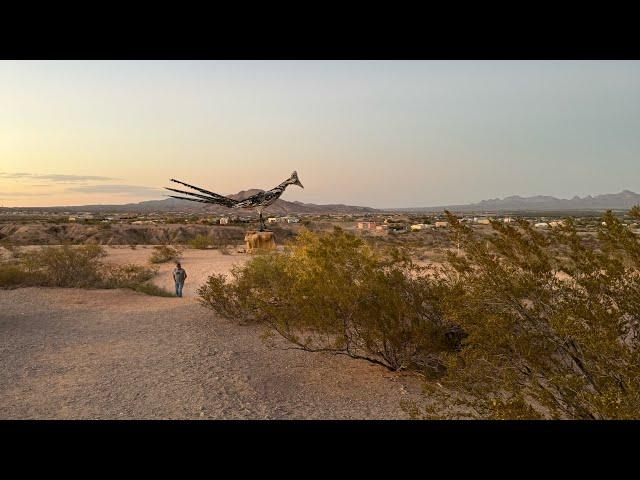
(255, 240)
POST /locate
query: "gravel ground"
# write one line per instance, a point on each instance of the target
(109, 354)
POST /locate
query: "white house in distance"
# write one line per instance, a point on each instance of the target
(541, 225)
(420, 226)
(224, 220)
(292, 219)
(366, 225)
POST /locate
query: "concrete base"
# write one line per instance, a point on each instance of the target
(255, 240)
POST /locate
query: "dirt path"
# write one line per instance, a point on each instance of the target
(68, 353)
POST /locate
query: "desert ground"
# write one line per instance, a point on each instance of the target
(119, 354)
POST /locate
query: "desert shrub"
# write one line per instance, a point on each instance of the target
(333, 293)
(66, 266)
(79, 267)
(126, 276)
(12, 276)
(201, 242)
(151, 289)
(165, 253)
(548, 335)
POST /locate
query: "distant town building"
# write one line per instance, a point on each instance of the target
(367, 225)
(277, 220)
(292, 219)
(541, 225)
(508, 220)
(442, 224)
(420, 226)
(224, 221)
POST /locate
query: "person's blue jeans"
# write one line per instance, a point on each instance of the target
(179, 286)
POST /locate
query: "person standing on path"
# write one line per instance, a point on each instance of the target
(179, 276)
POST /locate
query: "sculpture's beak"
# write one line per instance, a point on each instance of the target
(298, 183)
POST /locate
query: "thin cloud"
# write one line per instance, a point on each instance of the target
(20, 194)
(55, 177)
(135, 190)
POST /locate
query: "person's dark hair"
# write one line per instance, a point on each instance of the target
(178, 264)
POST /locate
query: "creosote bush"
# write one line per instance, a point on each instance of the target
(201, 242)
(66, 266)
(552, 324)
(79, 267)
(334, 293)
(165, 253)
(151, 289)
(520, 323)
(12, 276)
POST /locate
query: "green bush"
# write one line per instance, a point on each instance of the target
(126, 276)
(553, 324)
(12, 276)
(79, 267)
(333, 293)
(164, 254)
(66, 266)
(152, 289)
(201, 242)
(516, 324)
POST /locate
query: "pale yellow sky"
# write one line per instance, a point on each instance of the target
(382, 134)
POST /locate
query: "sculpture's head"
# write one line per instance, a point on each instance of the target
(294, 180)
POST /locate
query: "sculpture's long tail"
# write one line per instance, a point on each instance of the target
(209, 197)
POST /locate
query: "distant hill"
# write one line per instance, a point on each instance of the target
(279, 207)
(611, 201)
(515, 203)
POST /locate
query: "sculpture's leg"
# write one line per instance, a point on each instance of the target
(262, 227)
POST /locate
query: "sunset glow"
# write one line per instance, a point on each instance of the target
(382, 134)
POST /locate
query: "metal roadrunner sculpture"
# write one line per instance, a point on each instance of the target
(258, 201)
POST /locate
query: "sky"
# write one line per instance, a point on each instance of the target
(374, 133)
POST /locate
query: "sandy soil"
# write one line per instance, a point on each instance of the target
(69, 353)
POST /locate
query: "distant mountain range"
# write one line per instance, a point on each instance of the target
(539, 203)
(279, 207)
